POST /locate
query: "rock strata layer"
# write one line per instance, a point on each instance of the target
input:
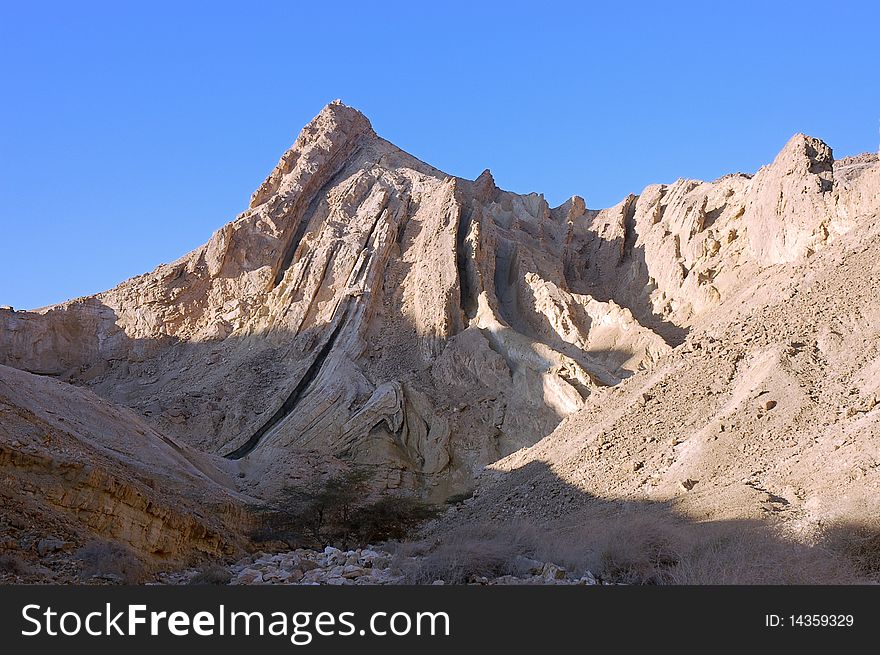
(367, 308)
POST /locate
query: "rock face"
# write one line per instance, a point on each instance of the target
(766, 417)
(74, 464)
(367, 307)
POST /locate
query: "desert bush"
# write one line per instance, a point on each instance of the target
(389, 517)
(483, 550)
(644, 549)
(327, 511)
(311, 516)
(339, 511)
(859, 544)
(637, 554)
(277, 528)
(111, 558)
(212, 575)
(653, 550)
(717, 552)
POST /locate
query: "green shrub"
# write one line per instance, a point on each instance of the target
(390, 517)
(339, 511)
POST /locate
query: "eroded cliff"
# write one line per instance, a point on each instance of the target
(369, 308)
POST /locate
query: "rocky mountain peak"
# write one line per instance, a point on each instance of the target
(330, 136)
(369, 308)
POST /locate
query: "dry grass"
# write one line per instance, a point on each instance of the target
(480, 550)
(109, 558)
(212, 575)
(859, 543)
(646, 549)
(631, 549)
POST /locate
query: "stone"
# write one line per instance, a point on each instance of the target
(506, 580)
(370, 558)
(588, 579)
(353, 571)
(248, 576)
(528, 565)
(553, 572)
(687, 485)
(49, 545)
(290, 563)
(308, 565)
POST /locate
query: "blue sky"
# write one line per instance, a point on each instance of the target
(129, 132)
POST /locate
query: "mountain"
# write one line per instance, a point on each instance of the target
(367, 308)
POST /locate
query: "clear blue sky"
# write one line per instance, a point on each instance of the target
(130, 131)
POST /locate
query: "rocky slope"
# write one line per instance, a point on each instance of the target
(76, 468)
(369, 308)
(362, 566)
(767, 415)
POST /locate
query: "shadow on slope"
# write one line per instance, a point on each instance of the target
(624, 541)
(628, 282)
(230, 396)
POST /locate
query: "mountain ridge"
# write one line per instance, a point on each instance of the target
(368, 309)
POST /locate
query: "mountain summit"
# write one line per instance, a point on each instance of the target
(367, 308)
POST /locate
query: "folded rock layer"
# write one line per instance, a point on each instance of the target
(369, 308)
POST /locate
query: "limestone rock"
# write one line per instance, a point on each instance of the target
(74, 462)
(368, 308)
(790, 206)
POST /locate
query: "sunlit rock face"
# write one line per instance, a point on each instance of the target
(369, 308)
